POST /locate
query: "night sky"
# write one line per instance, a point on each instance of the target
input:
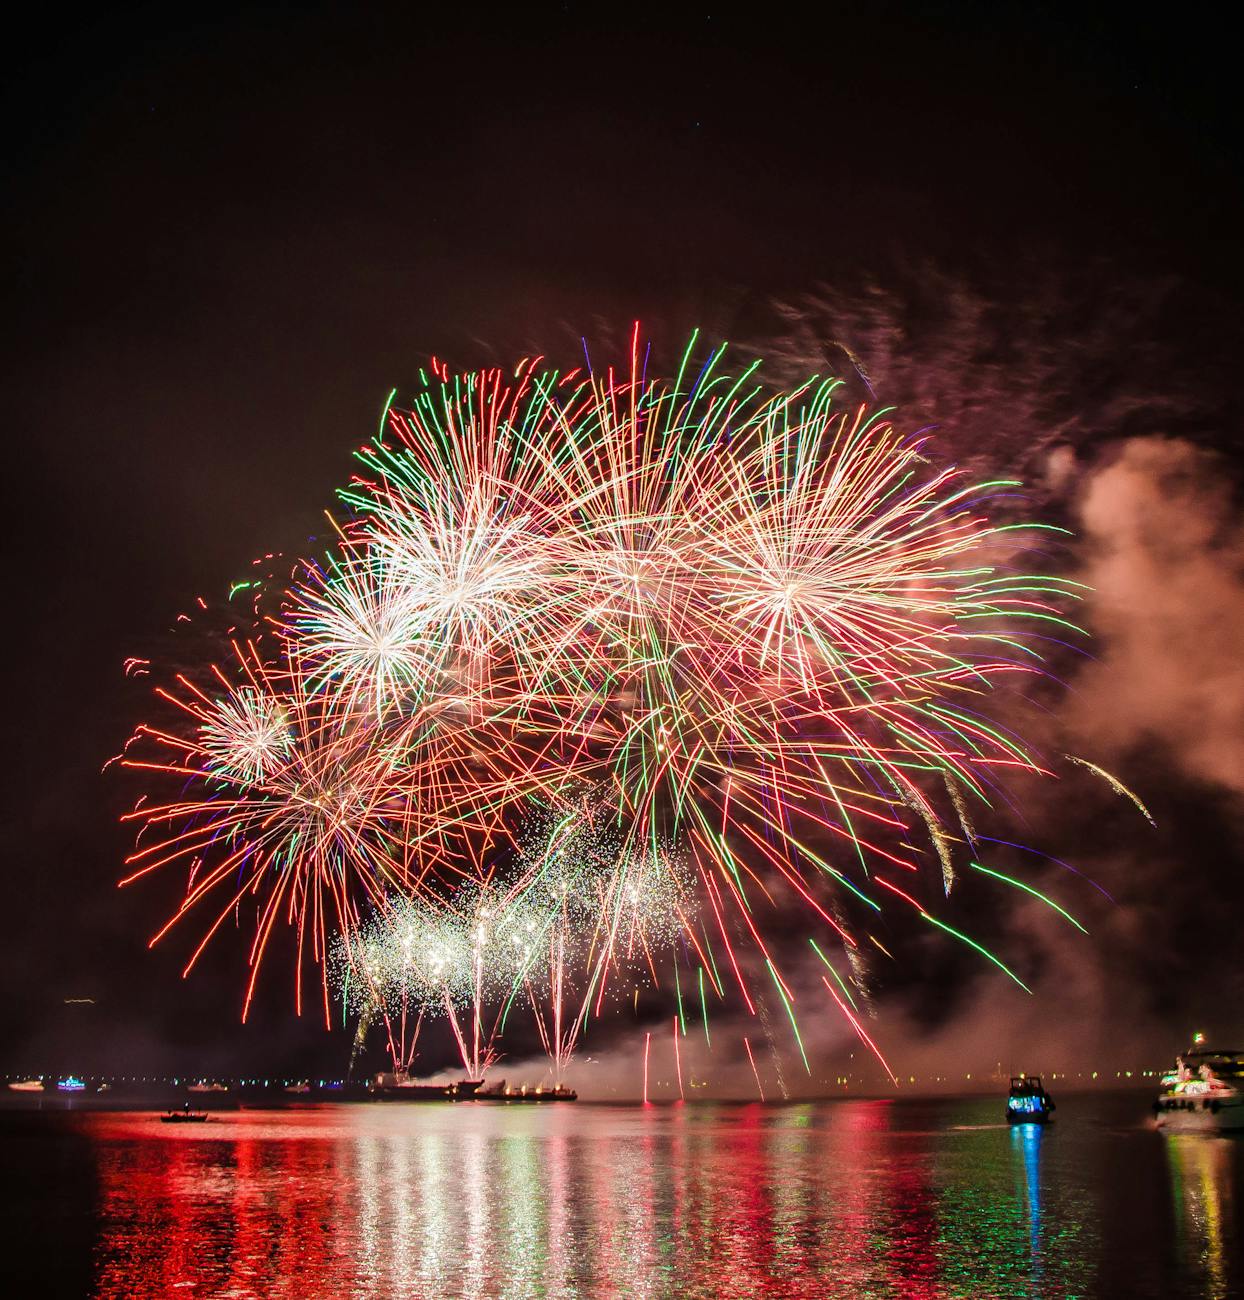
(230, 236)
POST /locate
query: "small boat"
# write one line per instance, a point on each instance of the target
(204, 1086)
(185, 1116)
(1203, 1093)
(299, 1089)
(1028, 1102)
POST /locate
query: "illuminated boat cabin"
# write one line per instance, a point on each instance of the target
(1028, 1102)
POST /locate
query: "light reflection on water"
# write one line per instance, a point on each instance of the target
(911, 1199)
(1203, 1188)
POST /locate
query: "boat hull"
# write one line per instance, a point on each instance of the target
(1200, 1114)
(531, 1098)
(463, 1090)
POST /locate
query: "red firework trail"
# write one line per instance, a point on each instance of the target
(755, 1072)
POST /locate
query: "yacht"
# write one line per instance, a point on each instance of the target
(1204, 1093)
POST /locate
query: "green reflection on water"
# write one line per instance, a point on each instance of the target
(860, 1198)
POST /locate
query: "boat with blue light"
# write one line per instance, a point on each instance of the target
(1028, 1102)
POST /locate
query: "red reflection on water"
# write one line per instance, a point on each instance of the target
(222, 1215)
(913, 1203)
(479, 1200)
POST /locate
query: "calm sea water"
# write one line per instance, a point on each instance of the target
(855, 1198)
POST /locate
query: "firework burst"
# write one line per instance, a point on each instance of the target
(762, 631)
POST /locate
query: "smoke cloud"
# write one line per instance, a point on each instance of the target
(1164, 554)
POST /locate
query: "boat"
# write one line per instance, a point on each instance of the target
(399, 1086)
(208, 1087)
(298, 1088)
(184, 1116)
(71, 1083)
(26, 1085)
(1204, 1093)
(1028, 1102)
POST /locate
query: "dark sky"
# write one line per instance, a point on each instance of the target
(229, 236)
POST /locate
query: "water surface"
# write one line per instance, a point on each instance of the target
(847, 1198)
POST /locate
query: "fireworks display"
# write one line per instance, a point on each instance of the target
(599, 670)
